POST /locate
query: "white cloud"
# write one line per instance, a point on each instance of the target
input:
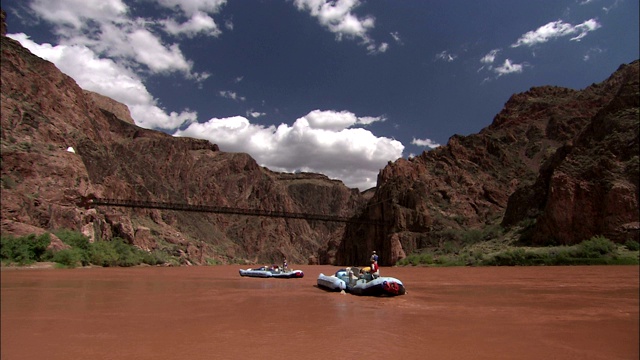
(320, 141)
(106, 77)
(74, 13)
(191, 7)
(592, 52)
(231, 95)
(255, 114)
(613, 6)
(147, 49)
(396, 37)
(337, 121)
(337, 17)
(373, 49)
(107, 28)
(425, 142)
(446, 56)
(509, 68)
(556, 29)
(490, 57)
(199, 23)
(367, 120)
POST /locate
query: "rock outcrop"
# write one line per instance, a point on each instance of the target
(581, 190)
(590, 186)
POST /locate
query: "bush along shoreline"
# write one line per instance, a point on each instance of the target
(595, 251)
(30, 249)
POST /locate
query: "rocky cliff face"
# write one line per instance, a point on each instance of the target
(45, 114)
(467, 184)
(590, 186)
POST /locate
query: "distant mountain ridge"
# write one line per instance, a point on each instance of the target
(563, 161)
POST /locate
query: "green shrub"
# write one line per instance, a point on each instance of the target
(103, 253)
(472, 236)
(596, 247)
(73, 238)
(508, 258)
(117, 252)
(449, 247)
(157, 257)
(77, 241)
(426, 259)
(492, 232)
(632, 245)
(26, 249)
(127, 254)
(69, 257)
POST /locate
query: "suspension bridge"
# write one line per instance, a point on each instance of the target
(92, 202)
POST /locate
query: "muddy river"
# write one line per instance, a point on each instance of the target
(211, 312)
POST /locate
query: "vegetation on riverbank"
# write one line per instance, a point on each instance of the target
(30, 249)
(493, 248)
(473, 248)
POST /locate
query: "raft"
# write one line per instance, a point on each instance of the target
(336, 282)
(271, 272)
(364, 285)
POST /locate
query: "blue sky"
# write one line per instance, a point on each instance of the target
(335, 87)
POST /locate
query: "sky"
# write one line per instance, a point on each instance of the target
(334, 87)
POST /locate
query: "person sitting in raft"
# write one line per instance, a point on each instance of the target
(285, 266)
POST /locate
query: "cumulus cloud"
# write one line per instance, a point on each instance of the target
(74, 13)
(425, 142)
(191, 7)
(556, 29)
(199, 23)
(321, 141)
(337, 121)
(337, 16)
(107, 28)
(108, 78)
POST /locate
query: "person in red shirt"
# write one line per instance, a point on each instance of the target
(375, 270)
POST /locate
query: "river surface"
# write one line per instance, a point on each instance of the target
(210, 312)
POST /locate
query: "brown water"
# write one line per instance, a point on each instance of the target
(213, 313)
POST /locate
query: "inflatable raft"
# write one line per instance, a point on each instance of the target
(336, 282)
(364, 284)
(271, 272)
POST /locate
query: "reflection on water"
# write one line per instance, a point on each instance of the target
(213, 313)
